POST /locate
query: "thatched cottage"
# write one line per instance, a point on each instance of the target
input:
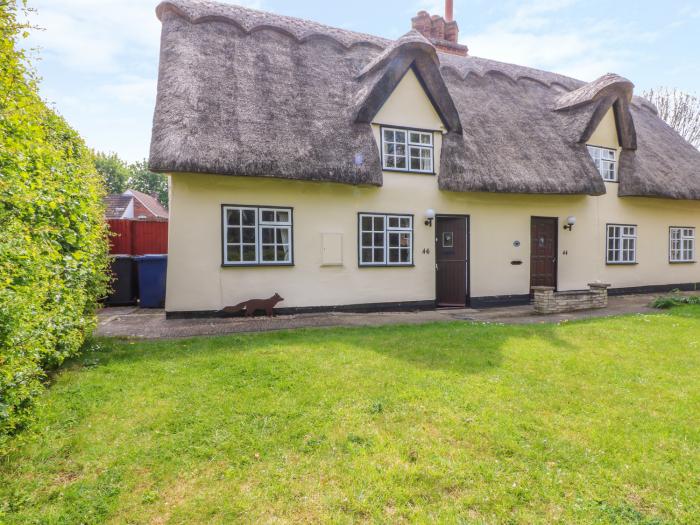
(347, 171)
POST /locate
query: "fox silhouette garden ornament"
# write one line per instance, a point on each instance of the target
(253, 305)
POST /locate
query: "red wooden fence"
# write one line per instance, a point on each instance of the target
(138, 237)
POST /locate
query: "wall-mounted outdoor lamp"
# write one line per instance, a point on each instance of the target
(429, 216)
(570, 221)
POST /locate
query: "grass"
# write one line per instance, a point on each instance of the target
(587, 422)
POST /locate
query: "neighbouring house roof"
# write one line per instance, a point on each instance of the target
(133, 204)
(155, 208)
(116, 206)
(249, 93)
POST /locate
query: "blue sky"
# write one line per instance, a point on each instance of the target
(99, 58)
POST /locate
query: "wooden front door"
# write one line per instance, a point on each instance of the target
(543, 251)
(451, 260)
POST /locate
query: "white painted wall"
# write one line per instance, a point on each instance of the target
(197, 281)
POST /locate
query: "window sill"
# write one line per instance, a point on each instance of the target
(386, 265)
(389, 170)
(256, 265)
(682, 262)
(621, 263)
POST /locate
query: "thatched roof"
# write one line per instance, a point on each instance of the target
(245, 92)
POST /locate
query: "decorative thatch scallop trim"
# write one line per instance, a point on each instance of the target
(383, 74)
(251, 20)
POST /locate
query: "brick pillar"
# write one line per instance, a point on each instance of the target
(600, 294)
(544, 299)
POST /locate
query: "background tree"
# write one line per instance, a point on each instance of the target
(680, 110)
(113, 170)
(120, 175)
(142, 179)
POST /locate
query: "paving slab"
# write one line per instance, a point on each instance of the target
(133, 322)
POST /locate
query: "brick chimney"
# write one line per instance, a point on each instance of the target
(442, 32)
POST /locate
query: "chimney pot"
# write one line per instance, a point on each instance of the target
(442, 32)
(449, 10)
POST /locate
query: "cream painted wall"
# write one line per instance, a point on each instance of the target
(197, 281)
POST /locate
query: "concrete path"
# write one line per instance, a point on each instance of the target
(151, 324)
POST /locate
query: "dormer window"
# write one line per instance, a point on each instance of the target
(407, 150)
(605, 160)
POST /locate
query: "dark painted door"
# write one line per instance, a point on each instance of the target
(451, 261)
(543, 251)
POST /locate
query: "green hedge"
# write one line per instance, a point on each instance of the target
(52, 235)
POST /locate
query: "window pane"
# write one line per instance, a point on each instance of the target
(267, 216)
(399, 136)
(379, 223)
(404, 240)
(233, 235)
(393, 240)
(379, 239)
(393, 256)
(378, 254)
(405, 222)
(249, 235)
(268, 235)
(283, 254)
(248, 253)
(393, 222)
(366, 223)
(405, 256)
(268, 253)
(283, 235)
(249, 217)
(400, 163)
(366, 239)
(233, 253)
(233, 217)
(366, 255)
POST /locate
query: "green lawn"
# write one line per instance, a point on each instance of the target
(589, 422)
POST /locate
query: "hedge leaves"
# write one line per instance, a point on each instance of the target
(52, 234)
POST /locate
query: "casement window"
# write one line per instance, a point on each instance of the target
(407, 150)
(606, 161)
(254, 235)
(385, 240)
(621, 244)
(682, 244)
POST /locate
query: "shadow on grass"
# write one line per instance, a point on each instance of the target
(461, 347)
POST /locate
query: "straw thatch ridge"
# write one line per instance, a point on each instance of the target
(247, 93)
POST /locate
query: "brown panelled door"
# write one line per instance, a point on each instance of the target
(451, 260)
(543, 251)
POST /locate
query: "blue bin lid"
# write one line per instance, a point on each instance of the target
(151, 257)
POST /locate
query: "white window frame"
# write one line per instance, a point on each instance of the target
(681, 244)
(387, 231)
(626, 235)
(412, 149)
(604, 164)
(260, 225)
